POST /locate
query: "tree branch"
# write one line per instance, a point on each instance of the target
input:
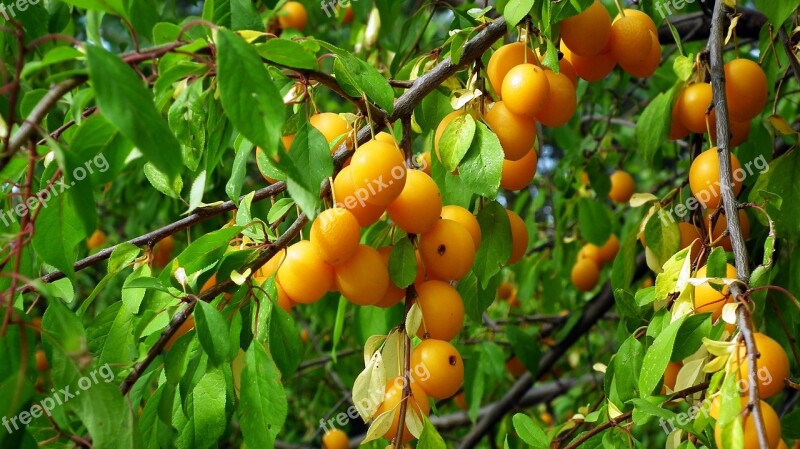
(695, 26)
(151, 238)
(744, 317)
(593, 312)
(184, 314)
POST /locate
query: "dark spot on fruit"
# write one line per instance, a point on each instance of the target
(441, 250)
(452, 360)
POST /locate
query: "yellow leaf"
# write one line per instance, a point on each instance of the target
(379, 427)
(732, 27)
(250, 35)
(413, 319)
(781, 125)
(730, 3)
(640, 199)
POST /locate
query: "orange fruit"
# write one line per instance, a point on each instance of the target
(592, 252)
(464, 218)
(162, 252)
(585, 275)
(692, 105)
(394, 294)
(690, 233)
(385, 137)
(335, 235)
(722, 224)
(518, 174)
(782, 445)
(745, 88)
(447, 250)
(418, 402)
(419, 204)
(461, 401)
(591, 68)
(704, 178)
(648, 282)
(96, 240)
(640, 17)
(504, 59)
(651, 61)
(526, 89)
(355, 200)
(444, 368)
(772, 426)
(287, 142)
(676, 129)
(442, 310)
(303, 274)
(517, 133)
(331, 125)
(519, 237)
(671, 374)
(505, 290)
(565, 68)
(609, 250)
(363, 279)
(740, 131)
(622, 187)
(629, 41)
(293, 15)
(561, 102)
(423, 161)
(269, 268)
(42, 364)
(185, 327)
(349, 15)
(587, 33)
(772, 367)
(284, 301)
(707, 298)
(378, 169)
(335, 438)
(442, 127)
(515, 367)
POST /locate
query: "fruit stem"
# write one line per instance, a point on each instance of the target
(620, 8)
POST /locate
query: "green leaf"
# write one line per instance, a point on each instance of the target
(128, 105)
(250, 98)
(208, 407)
(598, 177)
(234, 185)
(653, 126)
(495, 248)
(160, 181)
(662, 235)
(279, 209)
(358, 78)
(205, 250)
(403, 263)
(657, 357)
(525, 347)
(284, 341)
(776, 12)
(110, 335)
(288, 53)
(482, 166)
(782, 176)
(111, 6)
(627, 366)
(263, 406)
(306, 166)
(595, 221)
(244, 16)
(187, 119)
(58, 232)
(516, 10)
(456, 141)
(430, 438)
(691, 335)
(212, 331)
(529, 431)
